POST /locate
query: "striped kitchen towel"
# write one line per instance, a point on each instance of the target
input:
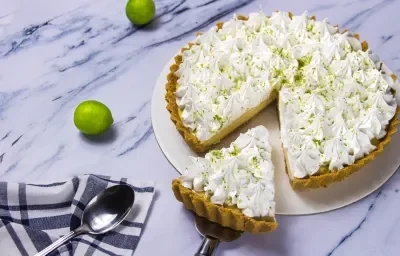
(32, 216)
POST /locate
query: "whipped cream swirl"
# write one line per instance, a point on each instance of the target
(240, 175)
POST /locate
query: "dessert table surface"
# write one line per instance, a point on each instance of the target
(55, 54)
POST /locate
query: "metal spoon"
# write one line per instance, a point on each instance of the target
(102, 214)
(213, 234)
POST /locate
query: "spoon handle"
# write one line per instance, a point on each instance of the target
(208, 247)
(58, 243)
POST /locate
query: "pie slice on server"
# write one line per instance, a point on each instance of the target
(233, 186)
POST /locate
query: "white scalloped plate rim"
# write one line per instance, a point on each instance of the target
(288, 202)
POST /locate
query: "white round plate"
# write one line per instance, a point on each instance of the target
(288, 201)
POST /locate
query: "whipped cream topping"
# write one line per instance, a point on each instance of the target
(333, 97)
(240, 175)
(337, 102)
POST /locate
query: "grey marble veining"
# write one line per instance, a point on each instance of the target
(55, 54)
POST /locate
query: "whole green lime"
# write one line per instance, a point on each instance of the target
(140, 12)
(92, 117)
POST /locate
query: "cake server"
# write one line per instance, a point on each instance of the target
(213, 233)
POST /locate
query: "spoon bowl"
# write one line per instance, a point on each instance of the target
(102, 214)
(108, 209)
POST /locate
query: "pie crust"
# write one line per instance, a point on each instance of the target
(231, 216)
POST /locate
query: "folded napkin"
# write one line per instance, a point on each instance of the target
(32, 216)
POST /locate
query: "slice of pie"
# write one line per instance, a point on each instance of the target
(233, 186)
(336, 104)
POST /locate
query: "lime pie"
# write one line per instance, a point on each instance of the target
(233, 186)
(336, 106)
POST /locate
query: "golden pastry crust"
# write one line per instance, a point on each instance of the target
(230, 217)
(173, 108)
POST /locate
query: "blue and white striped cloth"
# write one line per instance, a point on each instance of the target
(33, 216)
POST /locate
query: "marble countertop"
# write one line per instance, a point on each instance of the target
(55, 54)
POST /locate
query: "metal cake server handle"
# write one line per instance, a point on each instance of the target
(208, 247)
(213, 234)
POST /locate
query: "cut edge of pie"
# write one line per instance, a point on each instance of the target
(310, 182)
(230, 217)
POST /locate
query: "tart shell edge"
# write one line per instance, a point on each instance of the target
(225, 216)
